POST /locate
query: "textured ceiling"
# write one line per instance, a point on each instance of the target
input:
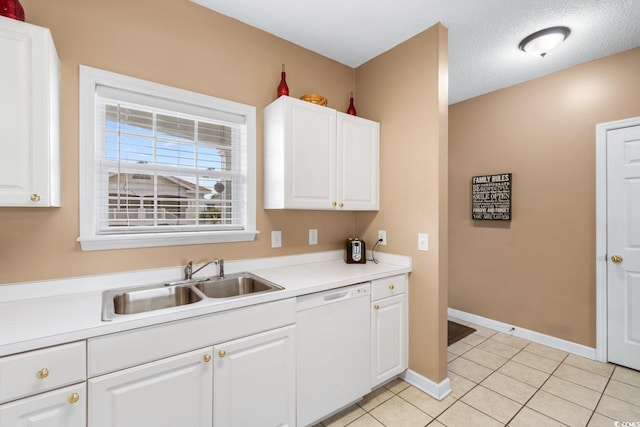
(483, 34)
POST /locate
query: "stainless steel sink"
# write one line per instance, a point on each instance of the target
(140, 300)
(234, 285)
(120, 302)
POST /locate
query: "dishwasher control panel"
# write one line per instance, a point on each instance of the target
(364, 290)
(305, 302)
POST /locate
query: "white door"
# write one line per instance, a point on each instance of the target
(358, 155)
(29, 142)
(388, 338)
(171, 392)
(623, 246)
(254, 380)
(312, 156)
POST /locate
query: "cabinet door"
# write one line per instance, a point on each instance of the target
(310, 159)
(29, 116)
(255, 380)
(176, 391)
(388, 338)
(358, 161)
(65, 407)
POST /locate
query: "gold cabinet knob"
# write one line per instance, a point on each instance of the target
(392, 287)
(42, 373)
(222, 353)
(376, 307)
(341, 205)
(35, 197)
(616, 259)
(74, 398)
(207, 358)
(333, 204)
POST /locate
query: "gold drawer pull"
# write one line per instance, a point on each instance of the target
(42, 373)
(392, 287)
(207, 358)
(222, 353)
(35, 197)
(376, 307)
(341, 205)
(74, 398)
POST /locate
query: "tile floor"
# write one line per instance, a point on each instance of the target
(497, 380)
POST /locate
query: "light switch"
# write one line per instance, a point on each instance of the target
(313, 236)
(276, 239)
(423, 242)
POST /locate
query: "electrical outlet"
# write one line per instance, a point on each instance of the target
(423, 242)
(382, 234)
(276, 239)
(313, 236)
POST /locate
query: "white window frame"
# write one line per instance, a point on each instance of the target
(89, 238)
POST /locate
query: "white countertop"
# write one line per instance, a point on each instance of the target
(41, 314)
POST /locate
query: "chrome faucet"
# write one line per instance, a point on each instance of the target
(188, 269)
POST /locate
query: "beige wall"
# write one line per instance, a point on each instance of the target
(537, 271)
(406, 90)
(181, 44)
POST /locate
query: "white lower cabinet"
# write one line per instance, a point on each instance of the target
(65, 407)
(151, 377)
(176, 391)
(389, 342)
(254, 380)
(242, 375)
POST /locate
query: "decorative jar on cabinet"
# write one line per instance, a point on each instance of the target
(319, 158)
(29, 116)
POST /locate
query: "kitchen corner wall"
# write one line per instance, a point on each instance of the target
(537, 271)
(406, 90)
(181, 44)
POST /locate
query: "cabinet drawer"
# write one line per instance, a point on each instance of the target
(41, 370)
(388, 287)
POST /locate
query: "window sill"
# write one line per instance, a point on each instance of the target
(129, 241)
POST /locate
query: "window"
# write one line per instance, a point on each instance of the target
(162, 166)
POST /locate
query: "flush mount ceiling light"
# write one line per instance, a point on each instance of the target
(541, 42)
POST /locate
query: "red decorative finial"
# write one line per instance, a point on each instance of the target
(352, 109)
(12, 9)
(283, 89)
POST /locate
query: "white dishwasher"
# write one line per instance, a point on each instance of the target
(333, 350)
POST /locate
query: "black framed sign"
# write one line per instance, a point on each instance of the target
(491, 197)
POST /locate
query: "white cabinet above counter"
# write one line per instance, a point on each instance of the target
(319, 158)
(29, 116)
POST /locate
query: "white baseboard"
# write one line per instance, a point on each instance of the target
(537, 337)
(436, 390)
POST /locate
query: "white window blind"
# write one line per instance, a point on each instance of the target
(166, 165)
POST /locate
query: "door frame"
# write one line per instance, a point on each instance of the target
(601, 231)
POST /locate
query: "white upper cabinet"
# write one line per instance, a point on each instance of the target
(29, 116)
(318, 158)
(358, 163)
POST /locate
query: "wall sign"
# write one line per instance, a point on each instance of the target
(491, 197)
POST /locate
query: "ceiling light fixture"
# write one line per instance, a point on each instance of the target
(541, 42)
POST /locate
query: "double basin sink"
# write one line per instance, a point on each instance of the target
(137, 300)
